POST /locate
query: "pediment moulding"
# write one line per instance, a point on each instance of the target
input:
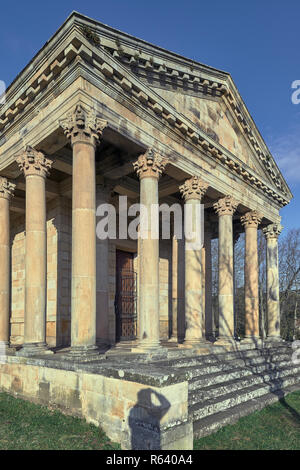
(272, 231)
(81, 48)
(226, 206)
(34, 163)
(193, 188)
(251, 219)
(6, 188)
(82, 125)
(150, 164)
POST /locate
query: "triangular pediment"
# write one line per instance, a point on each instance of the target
(199, 102)
(215, 119)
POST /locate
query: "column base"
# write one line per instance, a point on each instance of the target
(226, 342)
(34, 349)
(84, 354)
(173, 339)
(198, 346)
(274, 341)
(251, 342)
(152, 351)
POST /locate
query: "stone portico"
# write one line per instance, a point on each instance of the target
(98, 114)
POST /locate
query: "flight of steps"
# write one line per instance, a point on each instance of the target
(224, 387)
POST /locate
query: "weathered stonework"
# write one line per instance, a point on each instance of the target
(109, 121)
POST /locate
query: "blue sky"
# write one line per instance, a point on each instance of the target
(256, 41)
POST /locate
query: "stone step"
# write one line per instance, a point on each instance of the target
(234, 373)
(216, 405)
(254, 364)
(211, 423)
(238, 383)
(225, 357)
(225, 374)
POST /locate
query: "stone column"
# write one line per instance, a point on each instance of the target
(36, 168)
(174, 335)
(225, 209)
(103, 192)
(6, 192)
(236, 237)
(192, 191)
(84, 130)
(149, 168)
(272, 233)
(250, 221)
(209, 321)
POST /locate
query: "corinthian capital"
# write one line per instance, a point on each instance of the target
(6, 188)
(251, 219)
(33, 162)
(193, 188)
(150, 164)
(226, 206)
(272, 231)
(83, 126)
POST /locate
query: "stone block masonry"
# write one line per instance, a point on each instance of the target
(140, 407)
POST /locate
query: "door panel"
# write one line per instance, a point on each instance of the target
(125, 297)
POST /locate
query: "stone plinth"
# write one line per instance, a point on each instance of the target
(135, 407)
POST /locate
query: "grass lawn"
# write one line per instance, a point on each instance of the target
(276, 427)
(26, 426)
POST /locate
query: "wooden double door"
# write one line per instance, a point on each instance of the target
(126, 298)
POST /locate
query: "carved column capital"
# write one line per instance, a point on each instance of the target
(272, 231)
(83, 126)
(226, 206)
(150, 164)
(193, 188)
(6, 188)
(33, 162)
(251, 219)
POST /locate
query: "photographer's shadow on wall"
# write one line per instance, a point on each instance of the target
(145, 418)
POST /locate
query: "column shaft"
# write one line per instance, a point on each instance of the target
(225, 209)
(6, 191)
(4, 270)
(102, 276)
(209, 321)
(272, 233)
(35, 168)
(83, 328)
(149, 168)
(193, 290)
(149, 270)
(192, 191)
(35, 261)
(251, 221)
(226, 308)
(273, 305)
(251, 283)
(174, 335)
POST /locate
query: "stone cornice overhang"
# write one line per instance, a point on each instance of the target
(69, 46)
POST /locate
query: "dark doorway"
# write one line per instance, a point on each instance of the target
(125, 303)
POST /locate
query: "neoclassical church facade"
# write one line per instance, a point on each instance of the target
(99, 114)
